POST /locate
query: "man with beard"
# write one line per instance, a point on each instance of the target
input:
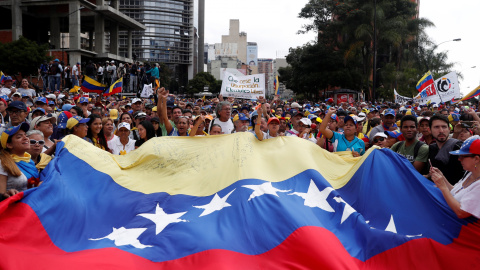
(439, 152)
(415, 151)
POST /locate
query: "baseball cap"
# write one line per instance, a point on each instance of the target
(17, 105)
(139, 115)
(124, 125)
(394, 134)
(155, 119)
(8, 78)
(361, 116)
(56, 60)
(273, 119)
(17, 94)
(348, 117)
(420, 119)
(63, 118)
(135, 100)
(37, 120)
(334, 117)
(83, 100)
(312, 116)
(39, 109)
(75, 120)
(306, 121)
(389, 112)
(469, 147)
(51, 102)
(240, 116)
(380, 134)
(113, 114)
(42, 100)
(295, 105)
(67, 107)
(11, 131)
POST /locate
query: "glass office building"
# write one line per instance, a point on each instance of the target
(169, 37)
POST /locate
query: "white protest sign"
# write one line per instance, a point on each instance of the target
(401, 99)
(147, 91)
(248, 87)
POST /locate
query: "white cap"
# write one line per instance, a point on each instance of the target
(124, 125)
(135, 100)
(361, 116)
(435, 105)
(306, 121)
(295, 105)
(380, 134)
(51, 96)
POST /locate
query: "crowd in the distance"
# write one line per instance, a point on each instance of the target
(429, 137)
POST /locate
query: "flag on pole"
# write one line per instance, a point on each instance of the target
(425, 81)
(475, 92)
(275, 85)
(90, 85)
(2, 76)
(75, 89)
(114, 88)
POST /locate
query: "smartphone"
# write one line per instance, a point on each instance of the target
(468, 124)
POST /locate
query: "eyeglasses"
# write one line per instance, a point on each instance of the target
(15, 112)
(34, 142)
(381, 139)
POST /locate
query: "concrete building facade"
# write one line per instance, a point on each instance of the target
(62, 23)
(239, 38)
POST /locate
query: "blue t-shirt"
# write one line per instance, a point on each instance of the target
(340, 143)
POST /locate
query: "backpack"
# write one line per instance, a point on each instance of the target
(415, 154)
(53, 70)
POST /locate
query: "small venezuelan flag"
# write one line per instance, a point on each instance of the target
(2, 76)
(425, 81)
(275, 85)
(114, 88)
(90, 85)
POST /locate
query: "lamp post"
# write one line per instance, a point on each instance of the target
(456, 39)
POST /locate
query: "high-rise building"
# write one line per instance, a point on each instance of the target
(170, 35)
(265, 66)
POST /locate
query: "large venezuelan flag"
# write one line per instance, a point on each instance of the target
(90, 85)
(232, 202)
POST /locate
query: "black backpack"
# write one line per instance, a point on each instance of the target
(53, 70)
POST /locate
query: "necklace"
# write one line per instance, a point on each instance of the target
(464, 186)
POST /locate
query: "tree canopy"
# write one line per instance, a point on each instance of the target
(23, 56)
(202, 79)
(343, 54)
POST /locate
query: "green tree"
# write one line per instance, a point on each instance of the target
(23, 55)
(199, 81)
(165, 76)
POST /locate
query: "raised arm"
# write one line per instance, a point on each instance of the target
(323, 127)
(162, 109)
(258, 122)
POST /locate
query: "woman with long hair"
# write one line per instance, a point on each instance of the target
(108, 127)
(17, 170)
(95, 132)
(146, 131)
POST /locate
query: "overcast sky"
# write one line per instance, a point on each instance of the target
(274, 24)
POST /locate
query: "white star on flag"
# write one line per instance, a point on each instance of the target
(123, 237)
(265, 188)
(347, 211)
(316, 198)
(215, 204)
(162, 219)
(391, 226)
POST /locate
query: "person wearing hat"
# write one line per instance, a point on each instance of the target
(273, 125)
(463, 197)
(16, 97)
(380, 139)
(8, 88)
(156, 125)
(346, 141)
(388, 122)
(77, 126)
(138, 117)
(294, 121)
(76, 74)
(18, 112)
(136, 105)
(44, 124)
(17, 170)
(122, 144)
(241, 122)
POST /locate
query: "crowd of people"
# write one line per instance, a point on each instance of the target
(439, 140)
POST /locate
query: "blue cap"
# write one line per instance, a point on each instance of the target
(51, 102)
(24, 95)
(18, 105)
(394, 134)
(75, 120)
(42, 99)
(349, 118)
(312, 116)
(243, 117)
(83, 100)
(67, 107)
(11, 131)
(308, 106)
(39, 109)
(469, 147)
(56, 60)
(63, 118)
(8, 78)
(389, 112)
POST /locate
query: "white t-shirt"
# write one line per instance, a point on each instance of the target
(468, 197)
(227, 127)
(29, 92)
(5, 91)
(100, 70)
(116, 146)
(19, 183)
(75, 70)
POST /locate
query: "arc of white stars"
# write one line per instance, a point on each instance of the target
(162, 219)
(347, 211)
(316, 198)
(217, 203)
(265, 188)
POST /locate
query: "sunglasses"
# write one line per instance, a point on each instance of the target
(381, 139)
(34, 142)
